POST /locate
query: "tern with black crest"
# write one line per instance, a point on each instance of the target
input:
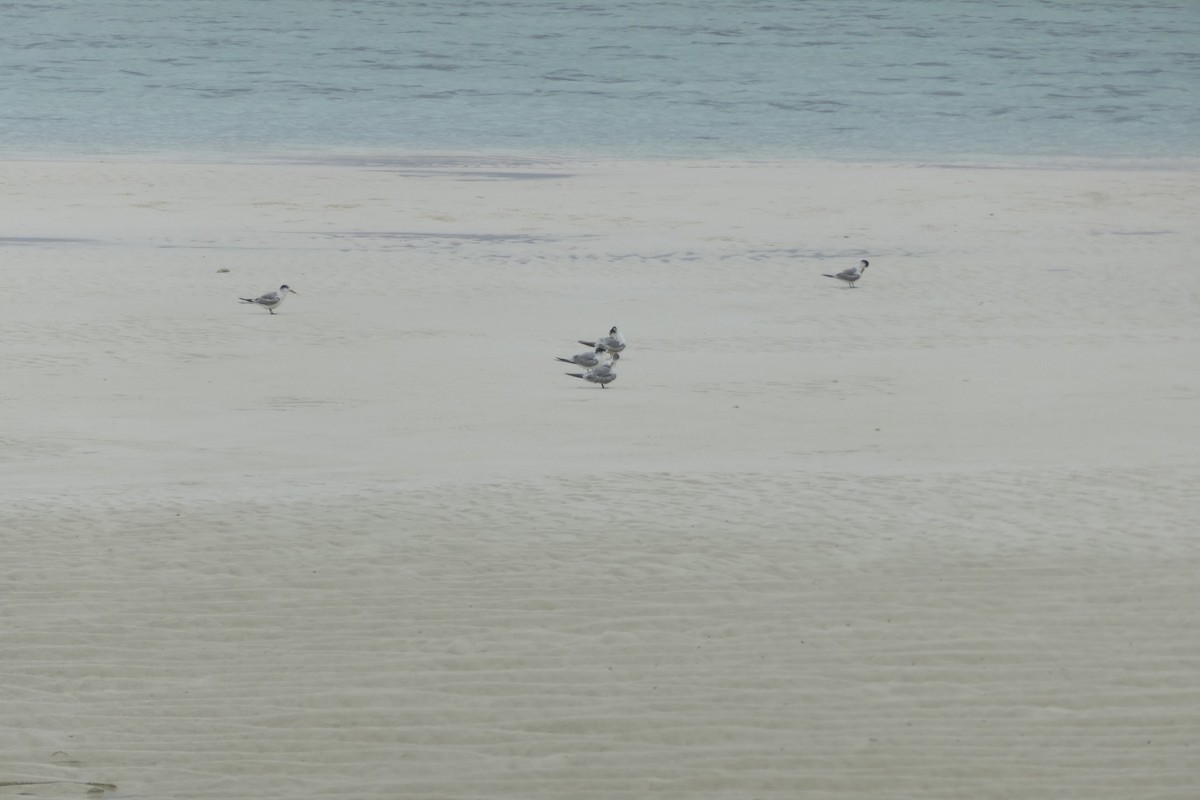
(588, 358)
(271, 300)
(603, 374)
(850, 274)
(613, 343)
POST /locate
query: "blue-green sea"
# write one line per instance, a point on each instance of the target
(861, 79)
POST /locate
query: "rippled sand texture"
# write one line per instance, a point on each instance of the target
(931, 537)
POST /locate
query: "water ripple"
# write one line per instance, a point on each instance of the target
(710, 77)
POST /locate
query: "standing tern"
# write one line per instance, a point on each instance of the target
(614, 342)
(271, 300)
(603, 374)
(850, 274)
(588, 358)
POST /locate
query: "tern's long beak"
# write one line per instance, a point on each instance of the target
(293, 291)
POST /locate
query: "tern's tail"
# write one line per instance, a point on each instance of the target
(589, 344)
(245, 299)
(564, 360)
(827, 275)
(574, 374)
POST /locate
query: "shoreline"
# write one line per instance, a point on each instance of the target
(416, 158)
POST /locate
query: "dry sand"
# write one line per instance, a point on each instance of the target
(931, 537)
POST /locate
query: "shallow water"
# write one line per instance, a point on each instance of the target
(926, 79)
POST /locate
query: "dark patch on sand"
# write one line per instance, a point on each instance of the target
(25, 241)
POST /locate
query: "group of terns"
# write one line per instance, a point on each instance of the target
(599, 370)
(600, 361)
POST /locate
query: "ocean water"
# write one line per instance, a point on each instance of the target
(859, 79)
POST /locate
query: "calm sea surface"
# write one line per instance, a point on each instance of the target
(864, 79)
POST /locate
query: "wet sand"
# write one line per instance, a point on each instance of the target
(930, 537)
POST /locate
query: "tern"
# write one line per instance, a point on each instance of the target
(850, 274)
(603, 374)
(613, 343)
(588, 358)
(271, 300)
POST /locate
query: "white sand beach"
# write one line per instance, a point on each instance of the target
(932, 537)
